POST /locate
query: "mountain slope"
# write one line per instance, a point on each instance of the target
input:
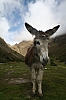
(57, 48)
(7, 54)
(22, 47)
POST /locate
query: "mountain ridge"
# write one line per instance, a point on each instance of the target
(7, 54)
(22, 47)
(57, 47)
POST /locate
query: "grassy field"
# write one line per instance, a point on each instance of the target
(15, 82)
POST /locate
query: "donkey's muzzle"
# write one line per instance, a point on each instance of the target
(45, 61)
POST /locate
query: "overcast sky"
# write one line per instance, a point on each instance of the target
(41, 14)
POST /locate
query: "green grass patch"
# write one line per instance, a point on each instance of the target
(12, 87)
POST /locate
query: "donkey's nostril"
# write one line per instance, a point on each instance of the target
(47, 60)
(43, 59)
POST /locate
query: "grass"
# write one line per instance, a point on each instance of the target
(54, 82)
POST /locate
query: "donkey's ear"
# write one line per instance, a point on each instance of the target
(52, 31)
(32, 30)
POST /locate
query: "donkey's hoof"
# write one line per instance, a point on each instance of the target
(41, 96)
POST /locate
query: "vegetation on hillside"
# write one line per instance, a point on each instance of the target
(57, 49)
(7, 54)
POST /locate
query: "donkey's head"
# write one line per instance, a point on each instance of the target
(41, 41)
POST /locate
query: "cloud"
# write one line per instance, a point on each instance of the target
(41, 14)
(4, 31)
(10, 19)
(45, 14)
(24, 35)
(4, 27)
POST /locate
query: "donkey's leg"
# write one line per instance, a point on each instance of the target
(39, 81)
(33, 79)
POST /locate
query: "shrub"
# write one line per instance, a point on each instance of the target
(53, 64)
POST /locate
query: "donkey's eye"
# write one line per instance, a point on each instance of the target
(38, 42)
(34, 42)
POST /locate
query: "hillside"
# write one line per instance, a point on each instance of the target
(57, 48)
(22, 47)
(7, 54)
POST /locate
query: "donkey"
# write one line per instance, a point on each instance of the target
(37, 55)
